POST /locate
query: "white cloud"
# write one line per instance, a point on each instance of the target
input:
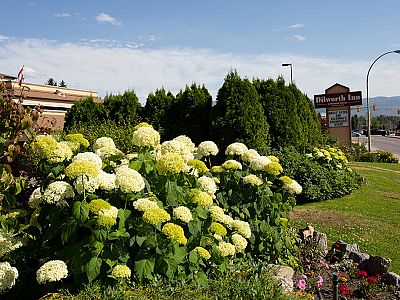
(105, 18)
(296, 26)
(298, 37)
(4, 37)
(63, 15)
(116, 69)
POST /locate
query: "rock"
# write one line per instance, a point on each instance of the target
(284, 275)
(321, 240)
(307, 232)
(345, 248)
(358, 257)
(377, 265)
(391, 279)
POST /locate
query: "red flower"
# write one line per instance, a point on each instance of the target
(361, 273)
(344, 290)
(378, 276)
(371, 280)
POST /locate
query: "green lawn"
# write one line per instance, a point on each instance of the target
(369, 216)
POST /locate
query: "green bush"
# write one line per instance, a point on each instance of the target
(322, 176)
(386, 157)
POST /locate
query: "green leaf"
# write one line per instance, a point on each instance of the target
(201, 279)
(68, 229)
(140, 240)
(201, 212)
(136, 165)
(171, 193)
(123, 215)
(57, 170)
(100, 234)
(80, 211)
(144, 269)
(193, 257)
(97, 247)
(120, 249)
(92, 268)
(179, 253)
(169, 267)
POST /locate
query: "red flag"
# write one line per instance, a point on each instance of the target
(21, 76)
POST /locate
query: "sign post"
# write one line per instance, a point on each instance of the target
(337, 101)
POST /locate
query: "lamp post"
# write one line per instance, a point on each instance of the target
(291, 71)
(368, 109)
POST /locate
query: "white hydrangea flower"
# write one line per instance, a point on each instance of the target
(146, 137)
(106, 181)
(128, 180)
(8, 242)
(248, 155)
(242, 227)
(189, 145)
(90, 157)
(144, 204)
(61, 153)
(8, 275)
(86, 183)
(232, 164)
(57, 193)
(239, 241)
(207, 184)
(34, 198)
(207, 148)
(103, 142)
(53, 270)
(259, 163)
(226, 249)
(183, 213)
(121, 271)
(294, 187)
(236, 149)
(253, 180)
(106, 152)
(111, 212)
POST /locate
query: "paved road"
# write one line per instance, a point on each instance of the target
(388, 143)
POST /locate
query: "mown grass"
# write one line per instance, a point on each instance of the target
(369, 216)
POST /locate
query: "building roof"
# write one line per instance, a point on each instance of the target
(7, 77)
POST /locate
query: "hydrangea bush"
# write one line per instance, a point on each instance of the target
(161, 211)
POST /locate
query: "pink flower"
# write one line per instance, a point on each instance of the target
(301, 284)
(320, 281)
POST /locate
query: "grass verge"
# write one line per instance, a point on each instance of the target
(369, 216)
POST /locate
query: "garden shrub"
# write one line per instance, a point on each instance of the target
(358, 152)
(160, 211)
(323, 174)
(386, 157)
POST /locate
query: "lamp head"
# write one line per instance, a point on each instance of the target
(286, 65)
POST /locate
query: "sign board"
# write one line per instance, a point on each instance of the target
(338, 118)
(338, 99)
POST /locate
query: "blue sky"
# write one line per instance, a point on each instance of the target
(111, 46)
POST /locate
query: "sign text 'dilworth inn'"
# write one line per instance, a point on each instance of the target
(338, 99)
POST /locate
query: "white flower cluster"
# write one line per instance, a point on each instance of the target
(232, 164)
(207, 184)
(189, 145)
(89, 157)
(121, 271)
(252, 179)
(111, 212)
(218, 215)
(129, 180)
(53, 270)
(236, 149)
(106, 181)
(144, 204)
(242, 227)
(57, 193)
(8, 242)
(294, 187)
(226, 249)
(183, 213)
(146, 137)
(35, 198)
(106, 152)
(103, 142)
(207, 148)
(250, 154)
(62, 152)
(8, 275)
(86, 183)
(178, 147)
(239, 241)
(259, 163)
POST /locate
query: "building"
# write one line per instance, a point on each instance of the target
(54, 100)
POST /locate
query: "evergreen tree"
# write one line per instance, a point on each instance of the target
(62, 84)
(155, 110)
(238, 115)
(290, 114)
(84, 111)
(123, 109)
(51, 82)
(189, 114)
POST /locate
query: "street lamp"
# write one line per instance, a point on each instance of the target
(291, 71)
(368, 109)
